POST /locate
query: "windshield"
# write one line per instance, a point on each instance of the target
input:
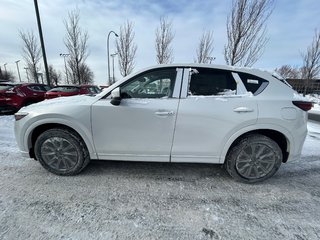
(5, 87)
(94, 90)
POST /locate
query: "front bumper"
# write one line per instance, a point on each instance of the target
(7, 108)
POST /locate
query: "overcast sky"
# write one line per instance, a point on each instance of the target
(290, 29)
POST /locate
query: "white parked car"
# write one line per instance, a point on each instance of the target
(246, 119)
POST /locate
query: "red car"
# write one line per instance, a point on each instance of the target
(15, 96)
(71, 90)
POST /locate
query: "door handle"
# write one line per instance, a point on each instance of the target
(164, 113)
(243, 109)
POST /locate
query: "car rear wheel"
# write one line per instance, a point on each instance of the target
(61, 151)
(254, 158)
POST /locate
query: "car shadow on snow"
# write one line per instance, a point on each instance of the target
(156, 170)
(191, 172)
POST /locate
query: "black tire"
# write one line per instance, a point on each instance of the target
(61, 151)
(257, 165)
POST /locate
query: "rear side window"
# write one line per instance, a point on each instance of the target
(36, 88)
(253, 84)
(209, 82)
(65, 89)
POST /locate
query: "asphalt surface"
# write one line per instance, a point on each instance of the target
(126, 200)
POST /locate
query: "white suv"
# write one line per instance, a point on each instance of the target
(245, 119)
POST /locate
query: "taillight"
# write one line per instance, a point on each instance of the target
(305, 106)
(9, 93)
(19, 116)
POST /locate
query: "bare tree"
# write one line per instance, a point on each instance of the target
(31, 52)
(76, 41)
(164, 37)
(54, 75)
(246, 31)
(287, 71)
(86, 74)
(311, 61)
(205, 48)
(126, 49)
(7, 76)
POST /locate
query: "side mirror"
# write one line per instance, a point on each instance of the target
(115, 97)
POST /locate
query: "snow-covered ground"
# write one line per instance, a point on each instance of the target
(124, 200)
(315, 98)
(315, 109)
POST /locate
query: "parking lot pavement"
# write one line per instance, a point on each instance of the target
(126, 200)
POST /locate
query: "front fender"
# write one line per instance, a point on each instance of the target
(81, 127)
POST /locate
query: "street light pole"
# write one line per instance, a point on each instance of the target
(113, 55)
(27, 73)
(5, 68)
(17, 62)
(108, 54)
(42, 42)
(64, 55)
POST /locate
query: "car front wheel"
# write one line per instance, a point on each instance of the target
(61, 151)
(254, 158)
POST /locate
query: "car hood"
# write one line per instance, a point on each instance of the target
(61, 101)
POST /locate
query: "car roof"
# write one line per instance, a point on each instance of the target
(202, 65)
(10, 84)
(77, 86)
(257, 72)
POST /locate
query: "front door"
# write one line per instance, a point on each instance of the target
(141, 128)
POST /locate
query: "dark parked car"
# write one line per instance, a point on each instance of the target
(71, 90)
(15, 96)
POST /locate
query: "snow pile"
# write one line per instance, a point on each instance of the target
(8, 146)
(312, 143)
(315, 98)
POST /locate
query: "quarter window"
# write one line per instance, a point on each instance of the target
(208, 82)
(253, 84)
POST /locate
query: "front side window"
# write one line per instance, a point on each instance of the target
(153, 84)
(211, 82)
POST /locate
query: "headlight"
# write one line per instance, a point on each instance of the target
(19, 116)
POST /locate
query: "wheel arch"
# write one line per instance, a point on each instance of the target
(278, 136)
(34, 134)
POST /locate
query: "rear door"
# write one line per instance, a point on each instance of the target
(213, 106)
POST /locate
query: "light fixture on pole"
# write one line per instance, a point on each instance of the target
(64, 55)
(17, 62)
(108, 54)
(210, 59)
(5, 68)
(113, 55)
